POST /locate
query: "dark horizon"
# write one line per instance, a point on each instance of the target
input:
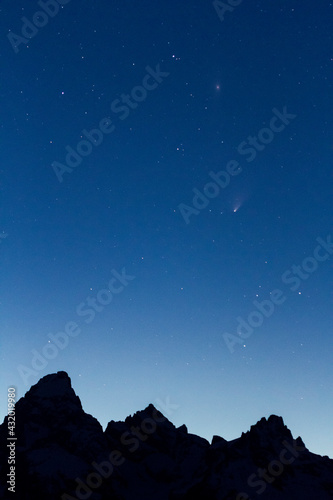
(146, 456)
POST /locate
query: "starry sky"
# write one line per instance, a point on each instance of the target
(166, 209)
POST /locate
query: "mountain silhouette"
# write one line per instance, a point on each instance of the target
(62, 453)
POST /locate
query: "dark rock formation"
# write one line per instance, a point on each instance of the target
(63, 454)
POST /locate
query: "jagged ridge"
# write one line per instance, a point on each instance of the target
(63, 453)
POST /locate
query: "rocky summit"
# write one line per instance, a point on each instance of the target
(62, 453)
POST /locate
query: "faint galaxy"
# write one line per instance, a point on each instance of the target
(195, 160)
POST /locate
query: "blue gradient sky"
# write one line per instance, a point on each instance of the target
(162, 336)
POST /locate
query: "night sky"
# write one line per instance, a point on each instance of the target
(166, 209)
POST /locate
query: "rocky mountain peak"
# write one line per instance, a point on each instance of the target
(63, 453)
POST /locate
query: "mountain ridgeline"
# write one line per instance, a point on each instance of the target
(62, 453)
